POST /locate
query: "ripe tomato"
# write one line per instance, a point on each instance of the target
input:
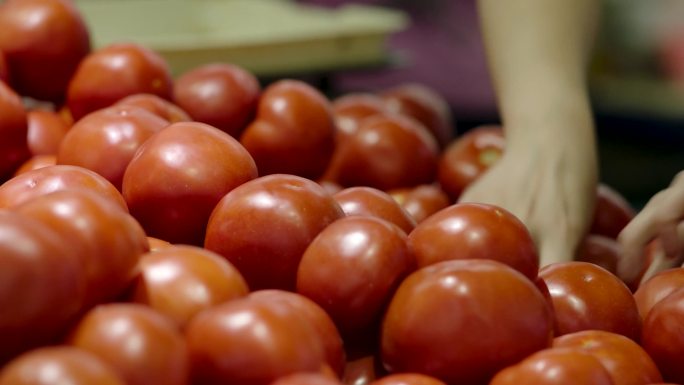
(663, 336)
(307, 379)
(106, 140)
(43, 41)
(13, 131)
(156, 105)
(58, 365)
(421, 201)
(294, 131)
(408, 379)
(474, 230)
(611, 213)
(351, 109)
(263, 227)
(588, 297)
(176, 179)
(468, 157)
(180, 281)
(46, 129)
(487, 314)
(141, 345)
(599, 250)
(362, 370)
(35, 162)
(656, 288)
(367, 201)
(156, 243)
(114, 72)
(222, 95)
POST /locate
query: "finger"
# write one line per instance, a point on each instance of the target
(555, 247)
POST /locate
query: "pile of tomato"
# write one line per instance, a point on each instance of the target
(206, 230)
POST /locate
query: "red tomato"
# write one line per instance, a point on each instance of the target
(463, 321)
(611, 213)
(4, 76)
(180, 281)
(468, 157)
(555, 367)
(626, 361)
(222, 95)
(43, 41)
(474, 230)
(177, 178)
(114, 72)
(252, 342)
(263, 227)
(352, 268)
(13, 131)
(306, 379)
(587, 297)
(46, 130)
(35, 162)
(42, 283)
(106, 140)
(387, 152)
(141, 345)
(319, 320)
(351, 109)
(421, 201)
(362, 371)
(293, 133)
(107, 240)
(156, 105)
(663, 336)
(599, 250)
(367, 201)
(48, 179)
(656, 288)
(156, 243)
(423, 104)
(408, 379)
(59, 365)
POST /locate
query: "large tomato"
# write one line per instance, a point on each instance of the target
(114, 72)
(106, 140)
(474, 230)
(13, 131)
(294, 131)
(264, 226)
(367, 201)
(156, 105)
(43, 41)
(46, 129)
(463, 321)
(658, 287)
(421, 201)
(177, 178)
(663, 336)
(222, 95)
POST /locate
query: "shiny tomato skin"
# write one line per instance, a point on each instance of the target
(407, 379)
(35, 162)
(222, 95)
(264, 226)
(351, 109)
(599, 250)
(362, 370)
(368, 201)
(48, 179)
(626, 361)
(156, 105)
(586, 297)
(58, 365)
(464, 304)
(180, 281)
(475, 230)
(468, 157)
(113, 72)
(106, 140)
(46, 129)
(658, 287)
(352, 268)
(14, 148)
(43, 41)
(140, 344)
(663, 336)
(421, 201)
(175, 180)
(612, 212)
(294, 131)
(251, 342)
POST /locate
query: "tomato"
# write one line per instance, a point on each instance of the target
(294, 131)
(156, 243)
(180, 281)
(221, 94)
(468, 157)
(306, 379)
(251, 342)
(13, 130)
(599, 250)
(586, 297)
(555, 367)
(46, 130)
(351, 109)
(264, 226)
(474, 230)
(352, 268)
(362, 371)
(35, 162)
(423, 104)
(4, 75)
(463, 321)
(107, 240)
(156, 105)
(177, 178)
(663, 336)
(141, 345)
(111, 73)
(106, 140)
(48, 179)
(626, 361)
(58, 365)
(408, 379)
(367, 201)
(319, 320)
(611, 213)
(656, 288)
(387, 152)
(421, 201)
(42, 283)
(43, 41)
